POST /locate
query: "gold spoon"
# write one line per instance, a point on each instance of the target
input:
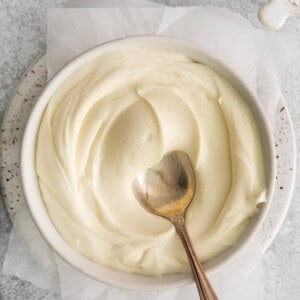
(166, 190)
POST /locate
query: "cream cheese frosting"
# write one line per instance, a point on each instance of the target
(118, 115)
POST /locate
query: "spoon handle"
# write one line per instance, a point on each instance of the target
(204, 287)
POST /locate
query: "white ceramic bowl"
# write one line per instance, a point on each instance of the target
(38, 209)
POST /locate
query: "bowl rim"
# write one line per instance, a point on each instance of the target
(36, 204)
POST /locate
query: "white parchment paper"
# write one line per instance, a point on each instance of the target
(259, 57)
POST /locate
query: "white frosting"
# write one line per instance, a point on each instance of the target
(117, 116)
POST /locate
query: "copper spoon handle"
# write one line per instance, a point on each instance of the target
(204, 287)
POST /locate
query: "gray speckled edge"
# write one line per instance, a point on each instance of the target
(13, 124)
(30, 87)
(286, 161)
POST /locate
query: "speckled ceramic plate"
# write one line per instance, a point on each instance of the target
(27, 92)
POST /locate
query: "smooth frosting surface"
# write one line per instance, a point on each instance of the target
(117, 116)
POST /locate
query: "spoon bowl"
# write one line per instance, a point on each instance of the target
(167, 188)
